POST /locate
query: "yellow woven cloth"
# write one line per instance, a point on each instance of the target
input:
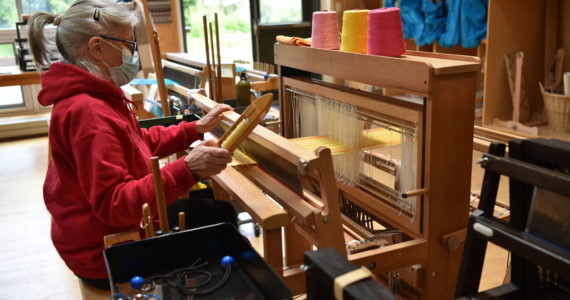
(371, 138)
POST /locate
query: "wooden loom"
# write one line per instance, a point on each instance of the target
(304, 184)
(445, 86)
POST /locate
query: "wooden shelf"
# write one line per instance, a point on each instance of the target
(392, 71)
(543, 132)
(544, 29)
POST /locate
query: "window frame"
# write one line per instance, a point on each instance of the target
(29, 92)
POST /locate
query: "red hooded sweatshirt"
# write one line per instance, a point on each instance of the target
(99, 172)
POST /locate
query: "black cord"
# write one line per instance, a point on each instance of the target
(187, 290)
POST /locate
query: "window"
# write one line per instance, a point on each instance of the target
(16, 99)
(8, 14)
(234, 26)
(7, 55)
(52, 6)
(11, 97)
(279, 11)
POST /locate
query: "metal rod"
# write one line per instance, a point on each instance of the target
(404, 128)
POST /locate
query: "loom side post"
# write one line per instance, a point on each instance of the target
(328, 221)
(447, 177)
(155, 50)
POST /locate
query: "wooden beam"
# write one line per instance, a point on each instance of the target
(392, 257)
(250, 197)
(25, 78)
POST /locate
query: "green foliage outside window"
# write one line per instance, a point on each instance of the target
(9, 12)
(279, 11)
(234, 22)
(235, 15)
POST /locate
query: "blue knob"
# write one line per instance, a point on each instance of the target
(137, 282)
(227, 260)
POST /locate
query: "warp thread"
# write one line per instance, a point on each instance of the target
(385, 33)
(354, 31)
(325, 30)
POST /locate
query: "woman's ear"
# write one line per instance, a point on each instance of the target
(94, 49)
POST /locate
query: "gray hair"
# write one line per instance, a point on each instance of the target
(82, 21)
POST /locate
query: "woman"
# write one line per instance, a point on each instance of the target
(99, 171)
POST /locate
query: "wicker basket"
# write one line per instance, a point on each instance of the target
(557, 110)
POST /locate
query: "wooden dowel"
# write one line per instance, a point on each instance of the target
(147, 221)
(518, 87)
(159, 194)
(414, 193)
(219, 58)
(182, 221)
(207, 66)
(215, 80)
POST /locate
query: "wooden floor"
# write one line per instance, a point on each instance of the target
(32, 269)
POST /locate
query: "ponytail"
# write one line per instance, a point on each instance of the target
(40, 46)
(83, 20)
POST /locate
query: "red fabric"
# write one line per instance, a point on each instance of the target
(99, 172)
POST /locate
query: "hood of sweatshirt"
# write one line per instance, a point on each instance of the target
(63, 80)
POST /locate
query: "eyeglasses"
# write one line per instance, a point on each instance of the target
(132, 44)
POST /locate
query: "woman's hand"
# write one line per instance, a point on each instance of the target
(211, 119)
(207, 159)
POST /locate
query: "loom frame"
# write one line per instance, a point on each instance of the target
(448, 85)
(410, 112)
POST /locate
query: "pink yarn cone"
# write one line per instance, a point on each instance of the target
(385, 32)
(325, 34)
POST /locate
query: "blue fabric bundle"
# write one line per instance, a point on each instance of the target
(449, 21)
(434, 21)
(413, 20)
(473, 22)
(451, 36)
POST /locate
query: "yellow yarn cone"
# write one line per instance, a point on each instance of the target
(354, 31)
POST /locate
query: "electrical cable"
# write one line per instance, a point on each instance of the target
(177, 279)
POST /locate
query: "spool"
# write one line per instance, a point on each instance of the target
(385, 33)
(325, 30)
(234, 135)
(354, 31)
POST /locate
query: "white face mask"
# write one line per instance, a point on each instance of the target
(124, 73)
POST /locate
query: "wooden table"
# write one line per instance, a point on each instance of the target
(10, 76)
